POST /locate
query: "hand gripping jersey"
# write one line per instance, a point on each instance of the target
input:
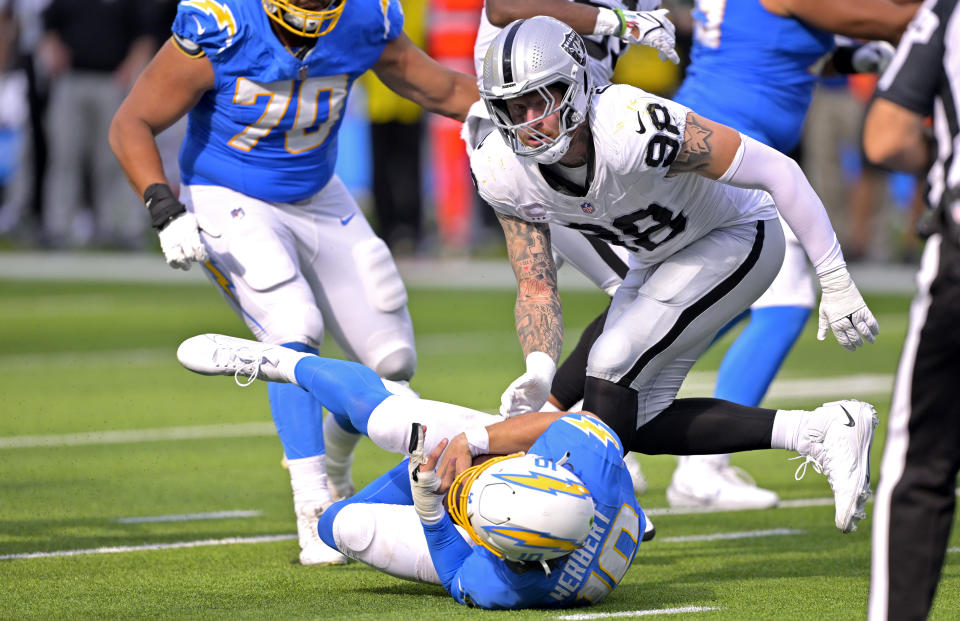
(602, 51)
(629, 201)
(589, 574)
(268, 128)
(753, 70)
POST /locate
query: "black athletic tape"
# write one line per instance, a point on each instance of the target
(162, 205)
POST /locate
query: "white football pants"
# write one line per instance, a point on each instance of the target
(293, 270)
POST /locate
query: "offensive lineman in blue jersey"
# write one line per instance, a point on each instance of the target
(265, 83)
(557, 527)
(753, 68)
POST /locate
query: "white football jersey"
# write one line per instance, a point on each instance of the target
(602, 52)
(629, 201)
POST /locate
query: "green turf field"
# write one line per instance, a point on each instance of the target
(100, 423)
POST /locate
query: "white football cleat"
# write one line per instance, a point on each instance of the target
(636, 473)
(712, 483)
(649, 531)
(837, 442)
(218, 354)
(313, 551)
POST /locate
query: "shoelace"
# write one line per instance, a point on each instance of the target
(249, 367)
(802, 468)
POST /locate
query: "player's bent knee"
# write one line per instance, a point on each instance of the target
(352, 529)
(611, 355)
(300, 324)
(398, 364)
(379, 276)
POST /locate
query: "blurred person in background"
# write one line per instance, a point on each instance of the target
(21, 214)
(92, 51)
(916, 497)
(396, 127)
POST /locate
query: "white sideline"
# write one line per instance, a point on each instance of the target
(748, 534)
(638, 613)
(152, 546)
(189, 517)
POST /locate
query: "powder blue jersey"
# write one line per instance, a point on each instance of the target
(751, 69)
(268, 127)
(589, 574)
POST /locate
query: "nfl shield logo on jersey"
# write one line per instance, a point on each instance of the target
(587, 208)
(237, 213)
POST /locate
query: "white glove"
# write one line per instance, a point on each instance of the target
(872, 57)
(424, 485)
(181, 243)
(650, 28)
(529, 392)
(843, 310)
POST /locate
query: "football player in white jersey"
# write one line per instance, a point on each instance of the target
(641, 172)
(608, 28)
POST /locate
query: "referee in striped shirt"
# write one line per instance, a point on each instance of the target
(916, 495)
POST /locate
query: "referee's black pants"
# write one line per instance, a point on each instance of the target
(916, 495)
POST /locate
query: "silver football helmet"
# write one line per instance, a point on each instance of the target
(529, 56)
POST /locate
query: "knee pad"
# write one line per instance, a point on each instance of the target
(297, 323)
(610, 357)
(353, 529)
(379, 276)
(398, 364)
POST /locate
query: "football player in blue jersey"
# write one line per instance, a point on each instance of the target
(556, 527)
(264, 84)
(753, 67)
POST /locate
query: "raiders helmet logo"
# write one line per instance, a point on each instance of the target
(573, 45)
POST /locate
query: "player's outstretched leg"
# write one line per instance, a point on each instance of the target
(836, 438)
(245, 359)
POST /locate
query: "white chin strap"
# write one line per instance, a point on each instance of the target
(556, 151)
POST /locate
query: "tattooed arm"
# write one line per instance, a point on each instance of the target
(538, 313)
(708, 148)
(718, 152)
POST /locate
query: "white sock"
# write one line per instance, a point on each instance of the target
(308, 478)
(787, 427)
(287, 363)
(339, 444)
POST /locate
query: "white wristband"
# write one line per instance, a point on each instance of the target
(478, 440)
(541, 364)
(608, 23)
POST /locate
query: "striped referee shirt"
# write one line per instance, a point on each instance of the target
(924, 77)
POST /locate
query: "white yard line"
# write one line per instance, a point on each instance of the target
(638, 613)
(784, 504)
(195, 432)
(697, 383)
(847, 386)
(749, 534)
(153, 546)
(189, 517)
(271, 538)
